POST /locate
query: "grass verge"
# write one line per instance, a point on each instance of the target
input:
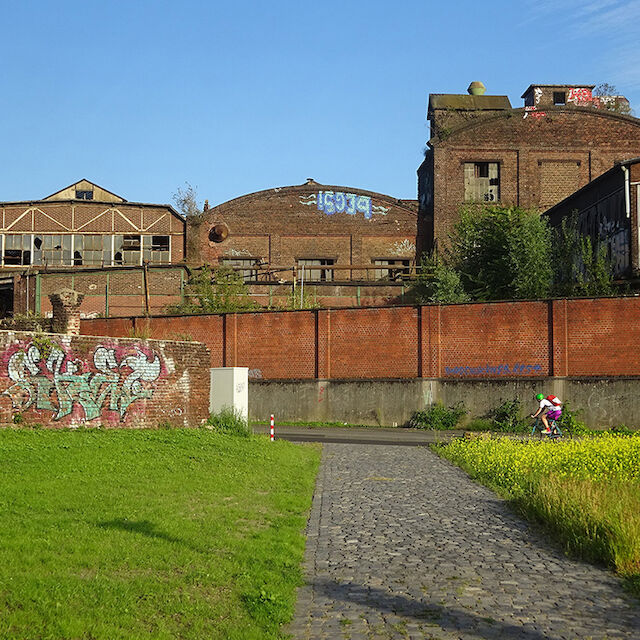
(586, 493)
(150, 534)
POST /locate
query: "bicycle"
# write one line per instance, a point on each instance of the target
(554, 434)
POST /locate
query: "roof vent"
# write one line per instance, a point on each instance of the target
(476, 88)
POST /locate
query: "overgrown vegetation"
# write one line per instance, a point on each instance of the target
(507, 417)
(438, 282)
(186, 201)
(26, 322)
(579, 269)
(230, 421)
(438, 417)
(586, 492)
(181, 533)
(510, 253)
(501, 253)
(219, 290)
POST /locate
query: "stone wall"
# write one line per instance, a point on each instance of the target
(600, 402)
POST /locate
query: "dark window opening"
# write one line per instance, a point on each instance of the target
(77, 258)
(307, 271)
(159, 243)
(481, 169)
(84, 195)
(559, 97)
(17, 249)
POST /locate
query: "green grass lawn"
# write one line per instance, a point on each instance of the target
(150, 534)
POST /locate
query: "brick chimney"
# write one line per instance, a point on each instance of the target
(66, 311)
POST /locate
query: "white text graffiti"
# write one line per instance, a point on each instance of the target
(331, 202)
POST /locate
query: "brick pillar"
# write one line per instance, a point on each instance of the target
(559, 347)
(66, 311)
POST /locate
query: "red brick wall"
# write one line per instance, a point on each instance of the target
(64, 381)
(589, 337)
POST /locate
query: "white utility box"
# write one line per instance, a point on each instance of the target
(230, 389)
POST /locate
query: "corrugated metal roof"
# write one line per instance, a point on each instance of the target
(465, 102)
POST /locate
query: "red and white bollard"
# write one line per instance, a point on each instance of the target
(272, 432)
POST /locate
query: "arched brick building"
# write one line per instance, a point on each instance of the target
(482, 150)
(324, 233)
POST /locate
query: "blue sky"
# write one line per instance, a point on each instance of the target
(236, 97)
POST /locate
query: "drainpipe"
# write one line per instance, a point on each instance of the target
(627, 202)
(627, 210)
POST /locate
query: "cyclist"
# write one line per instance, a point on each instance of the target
(550, 409)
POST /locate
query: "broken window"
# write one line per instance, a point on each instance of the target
(246, 267)
(84, 194)
(156, 249)
(318, 275)
(481, 181)
(127, 249)
(92, 250)
(17, 249)
(52, 249)
(392, 268)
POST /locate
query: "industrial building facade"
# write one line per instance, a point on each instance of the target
(85, 229)
(483, 151)
(314, 232)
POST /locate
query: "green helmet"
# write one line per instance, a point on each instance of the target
(539, 396)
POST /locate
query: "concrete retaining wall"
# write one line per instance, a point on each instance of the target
(603, 402)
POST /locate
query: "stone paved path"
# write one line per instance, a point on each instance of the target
(402, 544)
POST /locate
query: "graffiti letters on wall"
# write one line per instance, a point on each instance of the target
(580, 96)
(47, 378)
(330, 202)
(516, 369)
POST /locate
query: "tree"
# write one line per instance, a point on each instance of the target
(186, 201)
(220, 290)
(438, 282)
(501, 253)
(609, 99)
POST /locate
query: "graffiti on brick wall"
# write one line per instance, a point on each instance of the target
(403, 248)
(48, 378)
(532, 112)
(330, 202)
(580, 96)
(516, 369)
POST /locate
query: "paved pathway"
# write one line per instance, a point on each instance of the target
(402, 544)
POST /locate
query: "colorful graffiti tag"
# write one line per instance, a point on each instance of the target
(580, 96)
(330, 202)
(47, 378)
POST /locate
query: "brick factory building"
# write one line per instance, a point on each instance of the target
(118, 253)
(324, 235)
(484, 151)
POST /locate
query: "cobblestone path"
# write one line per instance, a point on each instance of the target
(402, 544)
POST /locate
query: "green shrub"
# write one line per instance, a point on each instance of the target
(507, 417)
(570, 422)
(230, 421)
(479, 424)
(437, 416)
